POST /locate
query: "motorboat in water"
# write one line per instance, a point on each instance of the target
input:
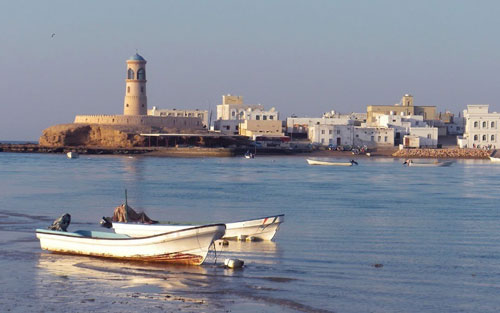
(72, 155)
(317, 162)
(264, 228)
(434, 164)
(184, 246)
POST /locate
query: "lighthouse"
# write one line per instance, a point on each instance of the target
(136, 101)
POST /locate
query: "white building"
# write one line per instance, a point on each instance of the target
(481, 127)
(202, 114)
(300, 125)
(232, 113)
(428, 136)
(338, 135)
(413, 125)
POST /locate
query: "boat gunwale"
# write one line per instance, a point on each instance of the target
(66, 234)
(164, 224)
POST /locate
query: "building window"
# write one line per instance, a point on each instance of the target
(128, 89)
(372, 138)
(233, 113)
(322, 140)
(385, 139)
(264, 117)
(271, 117)
(127, 105)
(492, 124)
(476, 124)
(379, 138)
(476, 138)
(492, 137)
(330, 132)
(322, 132)
(484, 137)
(484, 124)
(141, 74)
(257, 117)
(338, 131)
(142, 89)
(428, 136)
(130, 73)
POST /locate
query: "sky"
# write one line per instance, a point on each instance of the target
(301, 57)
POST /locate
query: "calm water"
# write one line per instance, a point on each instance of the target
(434, 230)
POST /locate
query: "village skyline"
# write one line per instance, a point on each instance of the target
(66, 59)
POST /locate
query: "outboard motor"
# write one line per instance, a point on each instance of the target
(62, 223)
(106, 222)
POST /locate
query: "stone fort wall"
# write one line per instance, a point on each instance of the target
(191, 123)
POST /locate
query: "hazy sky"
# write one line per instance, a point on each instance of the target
(302, 57)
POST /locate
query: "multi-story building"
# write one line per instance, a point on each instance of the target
(232, 114)
(413, 125)
(481, 127)
(338, 135)
(405, 107)
(202, 114)
(298, 126)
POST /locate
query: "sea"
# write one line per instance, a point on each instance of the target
(377, 237)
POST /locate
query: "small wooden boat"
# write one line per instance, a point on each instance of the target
(316, 162)
(72, 155)
(264, 228)
(434, 164)
(185, 246)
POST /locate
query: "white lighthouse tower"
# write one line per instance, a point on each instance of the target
(136, 101)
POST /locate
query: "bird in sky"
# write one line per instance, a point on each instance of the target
(52, 36)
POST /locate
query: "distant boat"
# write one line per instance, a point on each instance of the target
(494, 160)
(434, 164)
(185, 246)
(249, 155)
(263, 228)
(72, 155)
(316, 162)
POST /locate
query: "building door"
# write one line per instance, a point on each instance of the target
(397, 139)
(338, 141)
(407, 142)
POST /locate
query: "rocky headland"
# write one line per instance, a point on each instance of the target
(93, 135)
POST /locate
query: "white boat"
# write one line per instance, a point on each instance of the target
(249, 155)
(434, 164)
(185, 246)
(257, 229)
(494, 160)
(72, 155)
(316, 162)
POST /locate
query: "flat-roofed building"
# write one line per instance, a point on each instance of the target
(405, 107)
(481, 127)
(196, 113)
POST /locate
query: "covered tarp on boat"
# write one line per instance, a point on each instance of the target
(125, 214)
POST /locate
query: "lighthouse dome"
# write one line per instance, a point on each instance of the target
(136, 57)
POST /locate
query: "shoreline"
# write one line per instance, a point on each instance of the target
(443, 153)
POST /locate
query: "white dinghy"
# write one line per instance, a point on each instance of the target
(317, 162)
(434, 164)
(184, 246)
(257, 229)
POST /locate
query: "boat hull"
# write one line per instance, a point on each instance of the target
(186, 246)
(438, 164)
(316, 162)
(257, 229)
(494, 160)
